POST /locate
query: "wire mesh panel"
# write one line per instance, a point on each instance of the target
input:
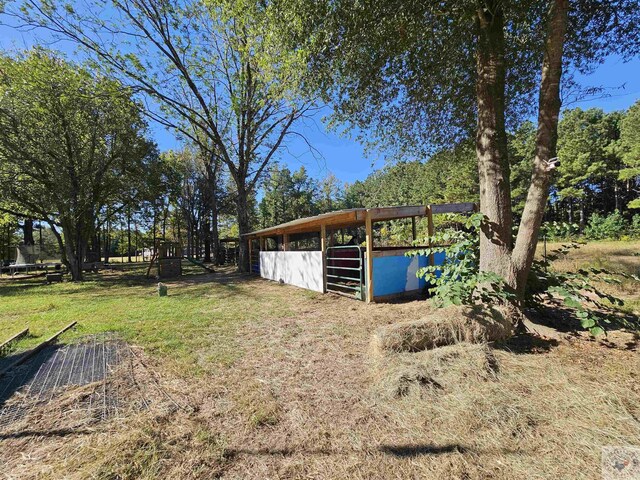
(56, 367)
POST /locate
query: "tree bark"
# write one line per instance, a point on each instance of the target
(491, 144)
(27, 231)
(498, 253)
(546, 142)
(129, 234)
(242, 212)
(206, 232)
(215, 234)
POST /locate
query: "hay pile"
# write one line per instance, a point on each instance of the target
(443, 327)
(437, 371)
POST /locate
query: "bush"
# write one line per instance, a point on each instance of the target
(601, 227)
(634, 230)
(458, 280)
(559, 231)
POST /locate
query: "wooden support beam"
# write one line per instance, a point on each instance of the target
(368, 223)
(431, 230)
(323, 248)
(285, 242)
(413, 228)
(5, 346)
(24, 357)
(262, 240)
(392, 213)
(453, 208)
(250, 255)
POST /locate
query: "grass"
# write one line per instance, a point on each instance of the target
(281, 383)
(614, 256)
(179, 327)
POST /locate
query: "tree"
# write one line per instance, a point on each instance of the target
(629, 146)
(586, 161)
(287, 196)
(415, 75)
(70, 141)
(206, 68)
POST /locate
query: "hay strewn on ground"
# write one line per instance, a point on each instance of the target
(446, 326)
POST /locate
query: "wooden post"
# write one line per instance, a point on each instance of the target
(369, 237)
(323, 247)
(285, 242)
(431, 231)
(250, 255)
(413, 228)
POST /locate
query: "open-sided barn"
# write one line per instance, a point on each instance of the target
(314, 253)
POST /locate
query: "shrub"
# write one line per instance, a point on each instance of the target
(601, 227)
(634, 229)
(458, 280)
(558, 231)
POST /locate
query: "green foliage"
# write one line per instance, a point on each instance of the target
(459, 281)
(584, 149)
(288, 196)
(559, 230)
(404, 73)
(629, 143)
(601, 227)
(634, 230)
(521, 146)
(72, 142)
(450, 175)
(577, 291)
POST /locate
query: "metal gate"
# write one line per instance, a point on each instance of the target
(345, 271)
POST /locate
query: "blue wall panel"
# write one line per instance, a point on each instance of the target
(397, 274)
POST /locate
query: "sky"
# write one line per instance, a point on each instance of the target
(344, 157)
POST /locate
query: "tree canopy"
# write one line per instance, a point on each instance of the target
(71, 143)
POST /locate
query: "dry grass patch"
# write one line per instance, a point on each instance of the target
(514, 415)
(257, 401)
(430, 372)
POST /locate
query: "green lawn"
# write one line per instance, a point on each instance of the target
(194, 325)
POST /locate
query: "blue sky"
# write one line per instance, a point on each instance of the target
(344, 157)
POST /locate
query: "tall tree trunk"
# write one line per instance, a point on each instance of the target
(107, 239)
(206, 234)
(546, 142)
(242, 213)
(27, 232)
(129, 234)
(215, 234)
(570, 211)
(491, 145)
(498, 253)
(74, 248)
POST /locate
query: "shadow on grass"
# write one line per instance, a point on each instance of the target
(526, 343)
(556, 316)
(409, 451)
(62, 432)
(23, 374)
(109, 280)
(400, 451)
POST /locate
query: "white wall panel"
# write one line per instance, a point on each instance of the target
(302, 269)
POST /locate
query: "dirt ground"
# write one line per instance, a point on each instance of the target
(308, 399)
